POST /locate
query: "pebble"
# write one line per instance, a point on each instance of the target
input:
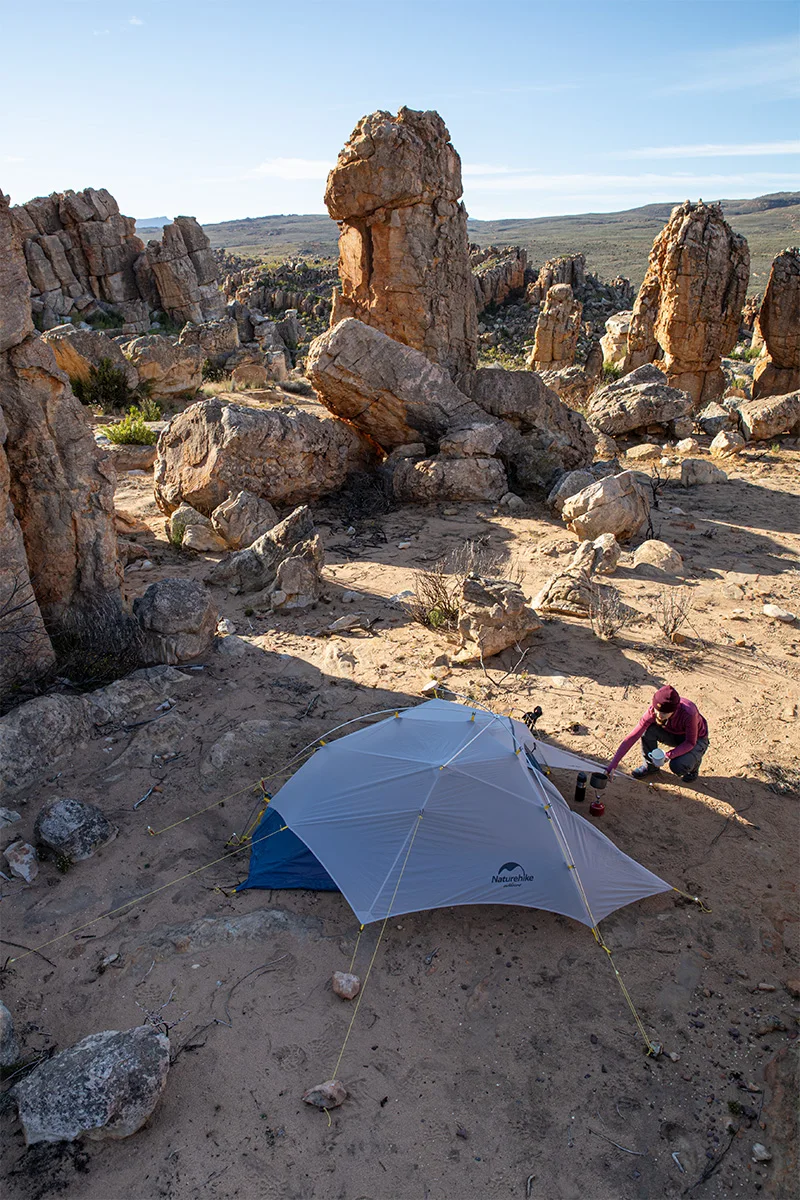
(226, 625)
(346, 985)
(22, 861)
(766, 987)
(779, 614)
(673, 1054)
(760, 1153)
(329, 1094)
(449, 512)
(403, 545)
(8, 817)
(350, 597)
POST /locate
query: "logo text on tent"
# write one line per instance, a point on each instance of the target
(511, 874)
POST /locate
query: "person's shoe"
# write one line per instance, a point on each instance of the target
(690, 777)
(644, 770)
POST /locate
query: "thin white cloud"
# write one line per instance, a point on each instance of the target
(484, 169)
(135, 21)
(764, 69)
(10, 159)
(290, 168)
(710, 150)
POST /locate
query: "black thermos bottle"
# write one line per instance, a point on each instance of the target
(580, 788)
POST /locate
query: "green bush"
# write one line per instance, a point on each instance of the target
(131, 430)
(212, 373)
(149, 408)
(105, 387)
(611, 373)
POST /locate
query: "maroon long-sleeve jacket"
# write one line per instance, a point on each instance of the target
(687, 719)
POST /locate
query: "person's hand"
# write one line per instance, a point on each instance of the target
(609, 771)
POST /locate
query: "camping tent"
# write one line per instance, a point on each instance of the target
(442, 805)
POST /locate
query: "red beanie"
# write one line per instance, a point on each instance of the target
(666, 699)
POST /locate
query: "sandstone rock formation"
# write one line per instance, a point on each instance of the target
(403, 247)
(286, 562)
(569, 484)
(185, 272)
(217, 339)
(83, 258)
(286, 455)
(106, 1086)
(638, 400)
(76, 351)
(770, 417)
(242, 518)
(441, 478)
(493, 615)
(569, 269)
(56, 491)
(696, 472)
(691, 299)
(170, 368)
(497, 275)
(779, 319)
(557, 330)
(617, 504)
(614, 341)
(568, 593)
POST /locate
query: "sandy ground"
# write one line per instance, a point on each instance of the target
(493, 1055)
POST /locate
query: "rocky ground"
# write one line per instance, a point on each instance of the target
(493, 1054)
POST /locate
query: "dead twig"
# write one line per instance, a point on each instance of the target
(19, 946)
(636, 1153)
(712, 1166)
(511, 671)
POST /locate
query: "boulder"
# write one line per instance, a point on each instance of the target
(544, 435)
(779, 320)
(567, 268)
(35, 735)
(614, 342)
(658, 554)
(493, 615)
(250, 375)
(646, 452)
(169, 368)
(106, 1086)
(389, 390)
(573, 385)
(286, 560)
(130, 457)
(217, 340)
(770, 417)
(203, 540)
(178, 619)
(636, 401)
(403, 247)
(714, 419)
(22, 860)
(184, 271)
(440, 478)
(285, 455)
(691, 299)
(617, 504)
(472, 441)
(698, 471)
(242, 518)
(687, 445)
(73, 829)
(599, 557)
(9, 1044)
(568, 485)
(192, 530)
(605, 448)
(556, 330)
(568, 593)
(726, 444)
(76, 351)
(138, 694)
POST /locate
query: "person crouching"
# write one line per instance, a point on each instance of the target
(677, 723)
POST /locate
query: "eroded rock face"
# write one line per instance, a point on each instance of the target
(691, 300)
(617, 504)
(557, 330)
(286, 455)
(106, 1086)
(493, 615)
(779, 320)
(637, 400)
(498, 275)
(568, 268)
(770, 416)
(441, 478)
(178, 618)
(614, 341)
(76, 351)
(217, 340)
(403, 247)
(185, 272)
(242, 518)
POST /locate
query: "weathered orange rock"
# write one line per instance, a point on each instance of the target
(403, 246)
(779, 322)
(691, 300)
(557, 330)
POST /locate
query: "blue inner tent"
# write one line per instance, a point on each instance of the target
(283, 861)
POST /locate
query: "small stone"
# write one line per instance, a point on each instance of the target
(346, 623)
(673, 1054)
(346, 985)
(8, 817)
(226, 625)
(350, 597)
(403, 545)
(22, 861)
(449, 512)
(761, 1153)
(793, 988)
(643, 453)
(329, 1094)
(779, 614)
(687, 445)
(461, 1132)
(512, 501)
(766, 987)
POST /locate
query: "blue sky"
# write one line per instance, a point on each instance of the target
(226, 110)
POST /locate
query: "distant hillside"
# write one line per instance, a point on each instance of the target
(614, 243)
(150, 226)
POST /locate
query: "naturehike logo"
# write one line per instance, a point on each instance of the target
(511, 874)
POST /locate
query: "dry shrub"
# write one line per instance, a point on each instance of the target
(435, 603)
(97, 644)
(672, 610)
(608, 614)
